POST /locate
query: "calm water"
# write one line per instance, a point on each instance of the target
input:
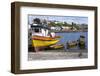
(71, 36)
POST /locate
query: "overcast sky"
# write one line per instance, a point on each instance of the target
(68, 19)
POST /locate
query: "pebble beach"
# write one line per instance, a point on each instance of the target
(58, 54)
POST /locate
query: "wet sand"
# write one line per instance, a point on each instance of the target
(54, 55)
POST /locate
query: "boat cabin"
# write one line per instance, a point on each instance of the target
(39, 30)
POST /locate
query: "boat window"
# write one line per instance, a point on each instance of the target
(37, 30)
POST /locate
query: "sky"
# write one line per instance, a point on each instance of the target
(68, 19)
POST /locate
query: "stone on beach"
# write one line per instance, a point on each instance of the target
(55, 55)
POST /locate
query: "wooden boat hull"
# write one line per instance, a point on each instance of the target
(43, 43)
(57, 46)
(72, 44)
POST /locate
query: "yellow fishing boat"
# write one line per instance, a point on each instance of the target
(42, 43)
(41, 34)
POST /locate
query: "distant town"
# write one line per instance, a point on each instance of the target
(58, 26)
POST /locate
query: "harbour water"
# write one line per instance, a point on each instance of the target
(72, 36)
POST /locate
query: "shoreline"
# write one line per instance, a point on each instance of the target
(63, 50)
(55, 55)
(68, 31)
